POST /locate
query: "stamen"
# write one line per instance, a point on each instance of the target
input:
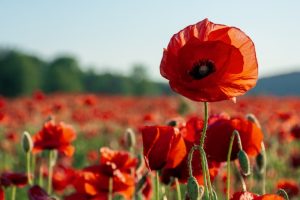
(202, 69)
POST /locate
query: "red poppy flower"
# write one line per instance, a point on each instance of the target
(2, 194)
(93, 181)
(78, 196)
(290, 186)
(55, 136)
(163, 147)
(251, 196)
(147, 189)
(191, 133)
(210, 62)
(295, 131)
(295, 159)
(62, 177)
(219, 134)
(269, 197)
(8, 179)
(243, 196)
(37, 193)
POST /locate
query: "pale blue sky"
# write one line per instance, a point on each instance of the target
(116, 34)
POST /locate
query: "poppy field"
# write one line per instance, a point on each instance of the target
(210, 142)
(95, 146)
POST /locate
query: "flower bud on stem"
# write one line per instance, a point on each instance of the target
(261, 164)
(282, 193)
(27, 146)
(235, 133)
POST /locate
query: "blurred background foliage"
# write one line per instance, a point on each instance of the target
(22, 74)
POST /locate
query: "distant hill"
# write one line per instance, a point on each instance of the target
(281, 85)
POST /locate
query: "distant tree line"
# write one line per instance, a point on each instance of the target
(22, 74)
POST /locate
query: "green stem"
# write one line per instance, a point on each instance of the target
(13, 192)
(28, 168)
(178, 189)
(33, 165)
(263, 151)
(157, 186)
(235, 133)
(206, 170)
(244, 187)
(203, 165)
(50, 172)
(110, 188)
(203, 135)
(41, 182)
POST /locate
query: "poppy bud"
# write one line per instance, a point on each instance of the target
(251, 117)
(244, 162)
(130, 140)
(260, 162)
(27, 143)
(193, 188)
(282, 193)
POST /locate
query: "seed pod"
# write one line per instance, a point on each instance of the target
(27, 143)
(130, 140)
(193, 188)
(282, 193)
(244, 162)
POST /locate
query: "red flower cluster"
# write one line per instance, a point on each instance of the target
(55, 136)
(167, 147)
(93, 182)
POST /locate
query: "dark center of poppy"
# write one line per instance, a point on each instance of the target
(202, 69)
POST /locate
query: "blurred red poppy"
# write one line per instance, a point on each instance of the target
(163, 147)
(62, 178)
(147, 189)
(93, 181)
(219, 133)
(8, 179)
(290, 186)
(243, 196)
(55, 136)
(295, 131)
(210, 62)
(2, 194)
(191, 133)
(37, 193)
(251, 196)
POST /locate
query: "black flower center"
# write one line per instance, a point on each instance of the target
(202, 69)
